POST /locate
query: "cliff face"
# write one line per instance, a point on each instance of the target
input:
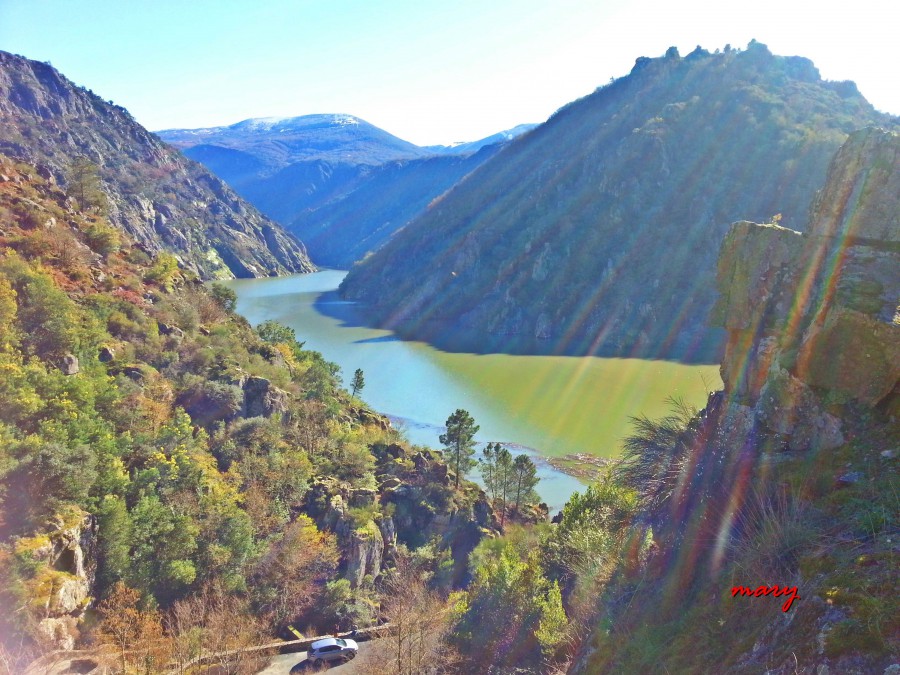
(161, 199)
(597, 232)
(65, 557)
(812, 318)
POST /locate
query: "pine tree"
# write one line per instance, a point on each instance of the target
(460, 441)
(525, 479)
(358, 381)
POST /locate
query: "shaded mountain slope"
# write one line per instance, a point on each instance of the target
(148, 189)
(285, 166)
(597, 231)
(334, 178)
(383, 199)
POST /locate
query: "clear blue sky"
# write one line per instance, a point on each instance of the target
(427, 71)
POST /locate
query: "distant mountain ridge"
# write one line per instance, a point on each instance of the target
(341, 184)
(474, 146)
(162, 200)
(278, 142)
(597, 231)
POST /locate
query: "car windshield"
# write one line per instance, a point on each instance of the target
(342, 643)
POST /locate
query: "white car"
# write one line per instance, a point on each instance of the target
(332, 649)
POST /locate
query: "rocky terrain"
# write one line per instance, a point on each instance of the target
(146, 188)
(597, 231)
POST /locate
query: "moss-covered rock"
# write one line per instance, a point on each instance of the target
(854, 354)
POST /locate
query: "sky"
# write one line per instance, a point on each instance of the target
(430, 72)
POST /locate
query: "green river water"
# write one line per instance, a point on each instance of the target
(549, 406)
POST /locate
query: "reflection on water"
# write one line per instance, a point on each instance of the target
(545, 405)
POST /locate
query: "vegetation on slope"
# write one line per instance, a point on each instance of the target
(172, 480)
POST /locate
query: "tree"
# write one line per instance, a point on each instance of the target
(226, 297)
(509, 594)
(497, 471)
(276, 333)
(525, 477)
(136, 634)
(488, 463)
(358, 381)
(293, 573)
(460, 441)
(83, 183)
(419, 623)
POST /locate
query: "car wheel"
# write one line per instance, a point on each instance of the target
(317, 663)
(351, 656)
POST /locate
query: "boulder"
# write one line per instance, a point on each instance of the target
(66, 554)
(364, 550)
(69, 365)
(755, 277)
(854, 354)
(168, 329)
(263, 399)
(106, 354)
(788, 407)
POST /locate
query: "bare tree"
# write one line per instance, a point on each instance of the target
(229, 630)
(136, 634)
(419, 623)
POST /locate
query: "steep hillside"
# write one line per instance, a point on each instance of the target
(367, 211)
(146, 188)
(174, 482)
(789, 476)
(597, 231)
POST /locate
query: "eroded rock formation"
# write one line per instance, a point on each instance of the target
(812, 318)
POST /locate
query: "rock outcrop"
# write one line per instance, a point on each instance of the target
(65, 563)
(263, 399)
(415, 503)
(812, 318)
(151, 191)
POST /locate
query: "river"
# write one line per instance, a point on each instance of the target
(548, 406)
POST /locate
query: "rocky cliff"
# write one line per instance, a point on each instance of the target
(414, 503)
(161, 199)
(64, 558)
(812, 318)
(597, 232)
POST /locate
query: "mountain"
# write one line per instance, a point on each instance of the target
(160, 455)
(380, 201)
(473, 146)
(286, 165)
(277, 142)
(339, 183)
(596, 232)
(146, 188)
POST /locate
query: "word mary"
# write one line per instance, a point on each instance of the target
(768, 590)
